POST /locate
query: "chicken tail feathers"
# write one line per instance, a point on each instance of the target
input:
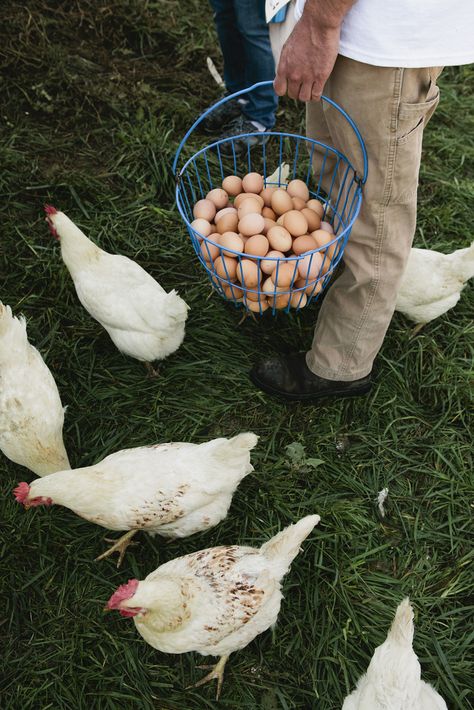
(176, 307)
(283, 547)
(466, 262)
(12, 333)
(234, 453)
(402, 629)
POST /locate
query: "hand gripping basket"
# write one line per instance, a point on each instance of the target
(330, 176)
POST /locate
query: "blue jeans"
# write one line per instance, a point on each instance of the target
(245, 44)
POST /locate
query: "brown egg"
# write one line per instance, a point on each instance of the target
(232, 292)
(298, 188)
(321, 237)
(281, 202)
(269, 264)
(247, 196)
(295, 222)
(219, 197)
(253, 182)
(312, 288)
(280, 302)
(251, 224)
(221, 213)
(285, 273)
(317, 206)
(202, 226)
(313, 219)
(298, 299)
(253, 295)
(281, 220)
(225, 267)
(269, 223)
(326, 265)
(249, 206)
(279, 238)
(230, 240)
(210, 251)
(327, 227)
(310, 266)
(269, 287)
(227, 223)
(268, 213)
(257, 245)
(298, 203)
(266, 195)
(248, 273)
(232, 185)
(257, 306)
(304, 244)
(204, 209)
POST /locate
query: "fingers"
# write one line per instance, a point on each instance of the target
(294, 86)
(316, 92)
(280, 85)
(305, 91)
(296, 89)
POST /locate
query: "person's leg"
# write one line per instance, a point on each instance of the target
(231, 43)
(259, 64)
(390, 106)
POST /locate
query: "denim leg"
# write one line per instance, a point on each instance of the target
(259, 63)
(232, 45)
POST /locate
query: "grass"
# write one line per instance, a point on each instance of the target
(96, 96)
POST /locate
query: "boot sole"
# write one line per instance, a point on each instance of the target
(363, 390)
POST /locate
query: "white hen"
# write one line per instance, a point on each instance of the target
(142, 319)
(215, 601)
(393, 678)
(432, 282)
(174, 489)
(31, 414)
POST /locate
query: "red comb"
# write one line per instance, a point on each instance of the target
(49, 209)
(125, 591)
(21, 492)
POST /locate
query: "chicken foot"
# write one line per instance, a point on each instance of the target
(217, 673)
(416, 329)
(119, 546)
(152, 372)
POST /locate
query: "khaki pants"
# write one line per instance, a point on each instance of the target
(391, 107)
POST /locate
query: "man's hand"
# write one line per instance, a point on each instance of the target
(309, 54)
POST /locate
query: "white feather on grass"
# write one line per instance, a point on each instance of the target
(381, 498)
(280, 176)
(214, 73)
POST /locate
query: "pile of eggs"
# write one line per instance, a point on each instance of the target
(250, 234)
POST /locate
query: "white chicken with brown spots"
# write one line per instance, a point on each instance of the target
(142, 319)
(31, 413)
(215, 601)
(393, 678)
(173, 490)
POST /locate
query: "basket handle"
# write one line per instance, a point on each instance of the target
(206, 113)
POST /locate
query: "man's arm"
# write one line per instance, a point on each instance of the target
(309, 54)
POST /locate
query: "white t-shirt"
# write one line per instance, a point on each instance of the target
(407, 33)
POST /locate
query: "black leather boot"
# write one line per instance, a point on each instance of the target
(289, 377)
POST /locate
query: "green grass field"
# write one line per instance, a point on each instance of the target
(95, 98)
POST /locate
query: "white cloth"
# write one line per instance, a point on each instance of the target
(274, 6)
(407, 33)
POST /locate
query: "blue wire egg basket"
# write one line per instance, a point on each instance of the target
(331, 179)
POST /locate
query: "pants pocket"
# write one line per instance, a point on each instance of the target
(413, 117)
